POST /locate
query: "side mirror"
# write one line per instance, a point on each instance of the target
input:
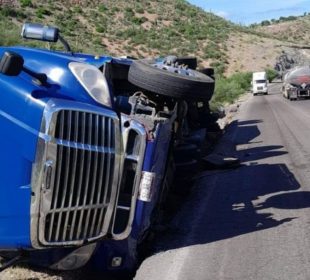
(11, 64)
(40, 32)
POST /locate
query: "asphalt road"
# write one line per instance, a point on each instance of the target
(252, 222)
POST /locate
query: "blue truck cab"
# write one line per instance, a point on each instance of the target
(84, 156)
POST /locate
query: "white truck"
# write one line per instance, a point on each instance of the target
(259, 83)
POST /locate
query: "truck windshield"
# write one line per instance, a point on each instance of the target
(260, 81)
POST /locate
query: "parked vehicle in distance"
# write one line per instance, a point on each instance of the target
(259, 83)
(296, 83)
(86, 156)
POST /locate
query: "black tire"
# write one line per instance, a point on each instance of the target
(146, 76)
(191, 62)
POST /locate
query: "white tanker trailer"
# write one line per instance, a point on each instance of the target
(296, 83)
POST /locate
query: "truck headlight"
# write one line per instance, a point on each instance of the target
(292, 89)
(92, 81)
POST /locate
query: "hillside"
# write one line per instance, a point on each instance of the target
(293, 29)
(142, 29)
(248, 52)
(292, 36)
(136, 28)
(156, 28)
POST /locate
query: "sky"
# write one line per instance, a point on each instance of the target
(253, 11)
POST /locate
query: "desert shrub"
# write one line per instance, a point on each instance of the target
(227, 90)
(219, 67)
(100, 29)
(129, 12)
(243, 79)
(77, 9)
(139, 10)
(98, 41)
(8, 11)
(180, 5)
(41, 12)
(212, 51)
(102, 8)
(115, 10)
(137, 20)
(265, 23)
(26, 3)
(271, 74)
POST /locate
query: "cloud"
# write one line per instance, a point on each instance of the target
(222, 14)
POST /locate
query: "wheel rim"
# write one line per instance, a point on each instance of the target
(175, 68)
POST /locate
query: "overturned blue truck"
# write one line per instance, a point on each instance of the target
(86, 151)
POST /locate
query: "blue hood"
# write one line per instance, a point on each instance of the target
(61, 82)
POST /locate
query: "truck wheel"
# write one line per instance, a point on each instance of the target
(176, 82)
(266, 93)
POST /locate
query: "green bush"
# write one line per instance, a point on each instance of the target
(139, 10)
(100, 29)
(102, 8)
(227, 90)
(212, 52)
(77, 9)
(8, 11)
(180, 5)
(129, 11)
(41, 12)
(137, 20)
(271, 74)
(243, 79)
(219, 67)
(265, 23)
(129, 14)
(115, 10)
(26, 3)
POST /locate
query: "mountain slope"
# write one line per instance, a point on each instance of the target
(295, 30)
(127, 27)
(143, 29)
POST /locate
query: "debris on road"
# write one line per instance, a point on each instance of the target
(220, 161)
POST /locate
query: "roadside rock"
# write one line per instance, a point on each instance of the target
(231, 110)
(224, 154)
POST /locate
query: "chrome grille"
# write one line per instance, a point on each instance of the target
(81, 191)
(76, 172)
